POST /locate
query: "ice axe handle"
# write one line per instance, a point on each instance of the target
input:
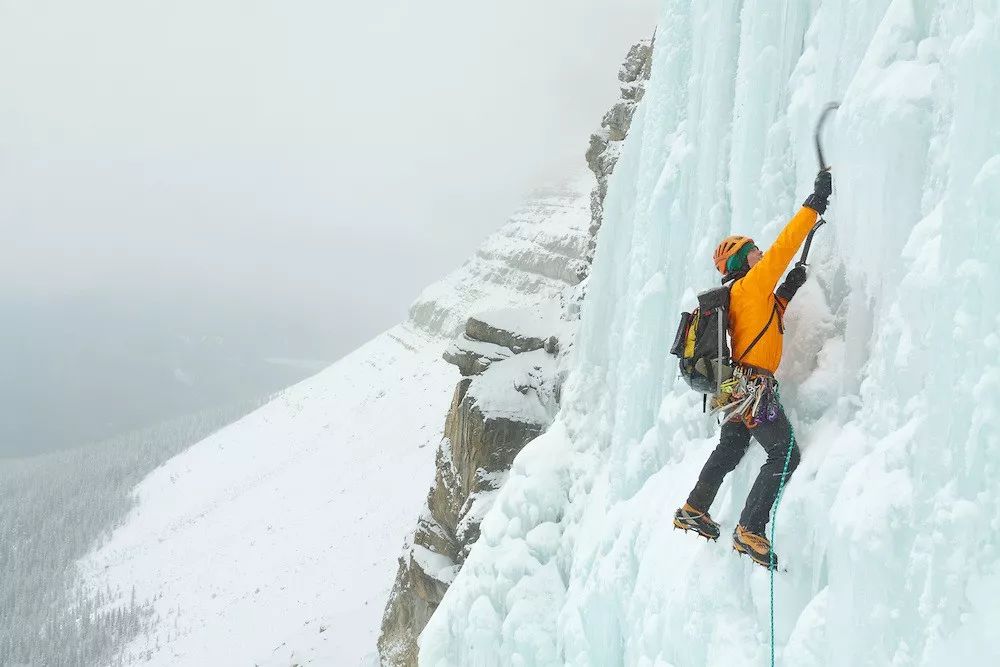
(808, 244)
(823, 166)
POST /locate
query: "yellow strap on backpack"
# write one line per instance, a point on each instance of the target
(692, 330)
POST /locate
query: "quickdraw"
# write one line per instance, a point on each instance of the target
(749, 396)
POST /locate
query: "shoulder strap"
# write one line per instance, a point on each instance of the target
(760, 335)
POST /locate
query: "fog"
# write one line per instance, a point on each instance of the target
(191, 190)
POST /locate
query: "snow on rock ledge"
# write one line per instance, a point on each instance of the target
(496, 335)
(517, 329)
(492, 417)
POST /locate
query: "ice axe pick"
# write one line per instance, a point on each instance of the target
(817, 135)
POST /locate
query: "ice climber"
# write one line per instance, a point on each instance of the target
(756, 309)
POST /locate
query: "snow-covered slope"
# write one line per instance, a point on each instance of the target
(275, 540)
(891, 377)
(263, 540)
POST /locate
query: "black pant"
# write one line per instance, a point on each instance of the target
(775, 437)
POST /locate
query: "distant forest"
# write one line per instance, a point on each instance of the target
(57, 507)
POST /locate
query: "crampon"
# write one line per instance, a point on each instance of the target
(688, 518)
(757, 547)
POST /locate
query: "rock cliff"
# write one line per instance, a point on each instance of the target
(511, 363)
(605, 144)
(507, 400)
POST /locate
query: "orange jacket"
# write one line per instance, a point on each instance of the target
(753, 304)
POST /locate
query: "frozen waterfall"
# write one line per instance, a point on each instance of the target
(890, 528)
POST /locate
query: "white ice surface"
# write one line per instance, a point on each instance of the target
(536, 321)
(890, 528)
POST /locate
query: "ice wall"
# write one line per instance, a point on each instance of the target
(889, 528)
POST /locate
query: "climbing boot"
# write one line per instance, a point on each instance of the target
(689, 518)
(756, 546)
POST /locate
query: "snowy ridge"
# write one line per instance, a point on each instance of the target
(891, 379)
(539, 251)
(275, 540)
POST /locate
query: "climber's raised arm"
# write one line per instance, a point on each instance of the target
(763, 276)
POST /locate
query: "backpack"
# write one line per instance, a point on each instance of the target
(701, 343)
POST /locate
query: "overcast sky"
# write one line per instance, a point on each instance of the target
(313, 160)
(292, 149)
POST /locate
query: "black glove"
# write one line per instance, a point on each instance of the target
(793, 281)
(822, 189)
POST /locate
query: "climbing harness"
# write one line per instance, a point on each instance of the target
(744, 391)
(750, 395)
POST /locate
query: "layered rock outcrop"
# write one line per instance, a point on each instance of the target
(510, 360)
(530, 259)
(506, 400)
(605, 144)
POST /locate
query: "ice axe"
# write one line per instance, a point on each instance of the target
(832, 106)
(823, 166)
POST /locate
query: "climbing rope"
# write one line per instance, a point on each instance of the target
(774, 516)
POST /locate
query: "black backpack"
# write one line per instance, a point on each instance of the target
(702, 342)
